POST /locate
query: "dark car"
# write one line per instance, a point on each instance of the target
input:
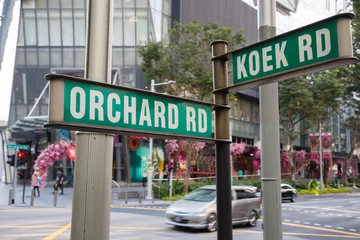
(288, 193)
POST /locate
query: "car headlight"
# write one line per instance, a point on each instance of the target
(198, 211)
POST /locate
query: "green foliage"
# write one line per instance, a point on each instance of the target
(248, 182)
(325, 191)
(196, 185)
(173, 198)
(312, 185)
(186, 58)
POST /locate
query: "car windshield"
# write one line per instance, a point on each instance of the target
(201, 195)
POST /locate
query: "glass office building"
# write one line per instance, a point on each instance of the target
(52, 35)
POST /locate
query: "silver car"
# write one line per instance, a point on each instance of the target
(198, 208)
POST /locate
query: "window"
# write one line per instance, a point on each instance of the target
(118, 28)
(79, 57)
(129, 56)
(66, 3)
(68, 57)
(56, 58)
(20, 57)
(129, 3)
(167, 7)
(141, 3)
(30, 27)
(31, 57)
(141, 27)
(79, 3)
(42, 28)
(21, 32)
(67, 28)
(118, 3)
(55, 30)
(54, 3)
(41, 3)
(44, 58)
(117, 57)
(79, 24)
(129, 28)
(244, 193)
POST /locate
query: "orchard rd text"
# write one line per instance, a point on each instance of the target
(89, 104)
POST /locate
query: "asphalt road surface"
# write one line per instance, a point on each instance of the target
(320, 218)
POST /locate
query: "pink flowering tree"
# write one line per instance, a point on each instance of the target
(172, 146)
(52, 153)
(236, 149)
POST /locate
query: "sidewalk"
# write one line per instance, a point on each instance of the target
(46, 198)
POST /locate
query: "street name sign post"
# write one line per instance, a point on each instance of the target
(319, 46)
(17, 146)
(81, 104)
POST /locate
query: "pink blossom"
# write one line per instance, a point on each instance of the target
(198, 146)
(257, 154)
(284, 156)
(300, 156)
(237, 148)
(171, 146)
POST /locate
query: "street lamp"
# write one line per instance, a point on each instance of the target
(150, 169)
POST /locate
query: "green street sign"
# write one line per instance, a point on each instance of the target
(98, 107)
(322, 45)
(17, 146)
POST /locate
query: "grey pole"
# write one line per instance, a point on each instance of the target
(94, 151)
(321, 158)
(15, 177)
(222, 132)
(269, 136)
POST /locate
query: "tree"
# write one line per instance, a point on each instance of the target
(185, 57)
(326, 87)
(295, 105)
(351, 99)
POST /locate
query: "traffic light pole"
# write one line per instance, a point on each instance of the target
(14, 177)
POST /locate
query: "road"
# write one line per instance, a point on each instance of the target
(320, 218)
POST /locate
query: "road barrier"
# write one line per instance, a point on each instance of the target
(55, 198)
(32, 197)
(10, 196)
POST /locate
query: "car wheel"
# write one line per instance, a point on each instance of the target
(252, 219)
(293, 198)
(212, 226)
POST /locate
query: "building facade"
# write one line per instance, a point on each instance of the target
(51, 38)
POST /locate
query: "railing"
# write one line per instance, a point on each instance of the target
(158, 187)
(118, 191)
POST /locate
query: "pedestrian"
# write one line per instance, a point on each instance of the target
(258, 173)
(59, 182)
(144, 180)
(240, 174)
(245, 173)
(166, 173)
(37, 184)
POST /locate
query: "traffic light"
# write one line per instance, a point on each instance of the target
(11, 161)
(21, 158)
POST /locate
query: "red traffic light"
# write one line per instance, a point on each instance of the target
(20, 154)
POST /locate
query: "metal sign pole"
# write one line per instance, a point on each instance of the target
(222, 133)
(94, 151)
(269, 136)
(15, 176)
